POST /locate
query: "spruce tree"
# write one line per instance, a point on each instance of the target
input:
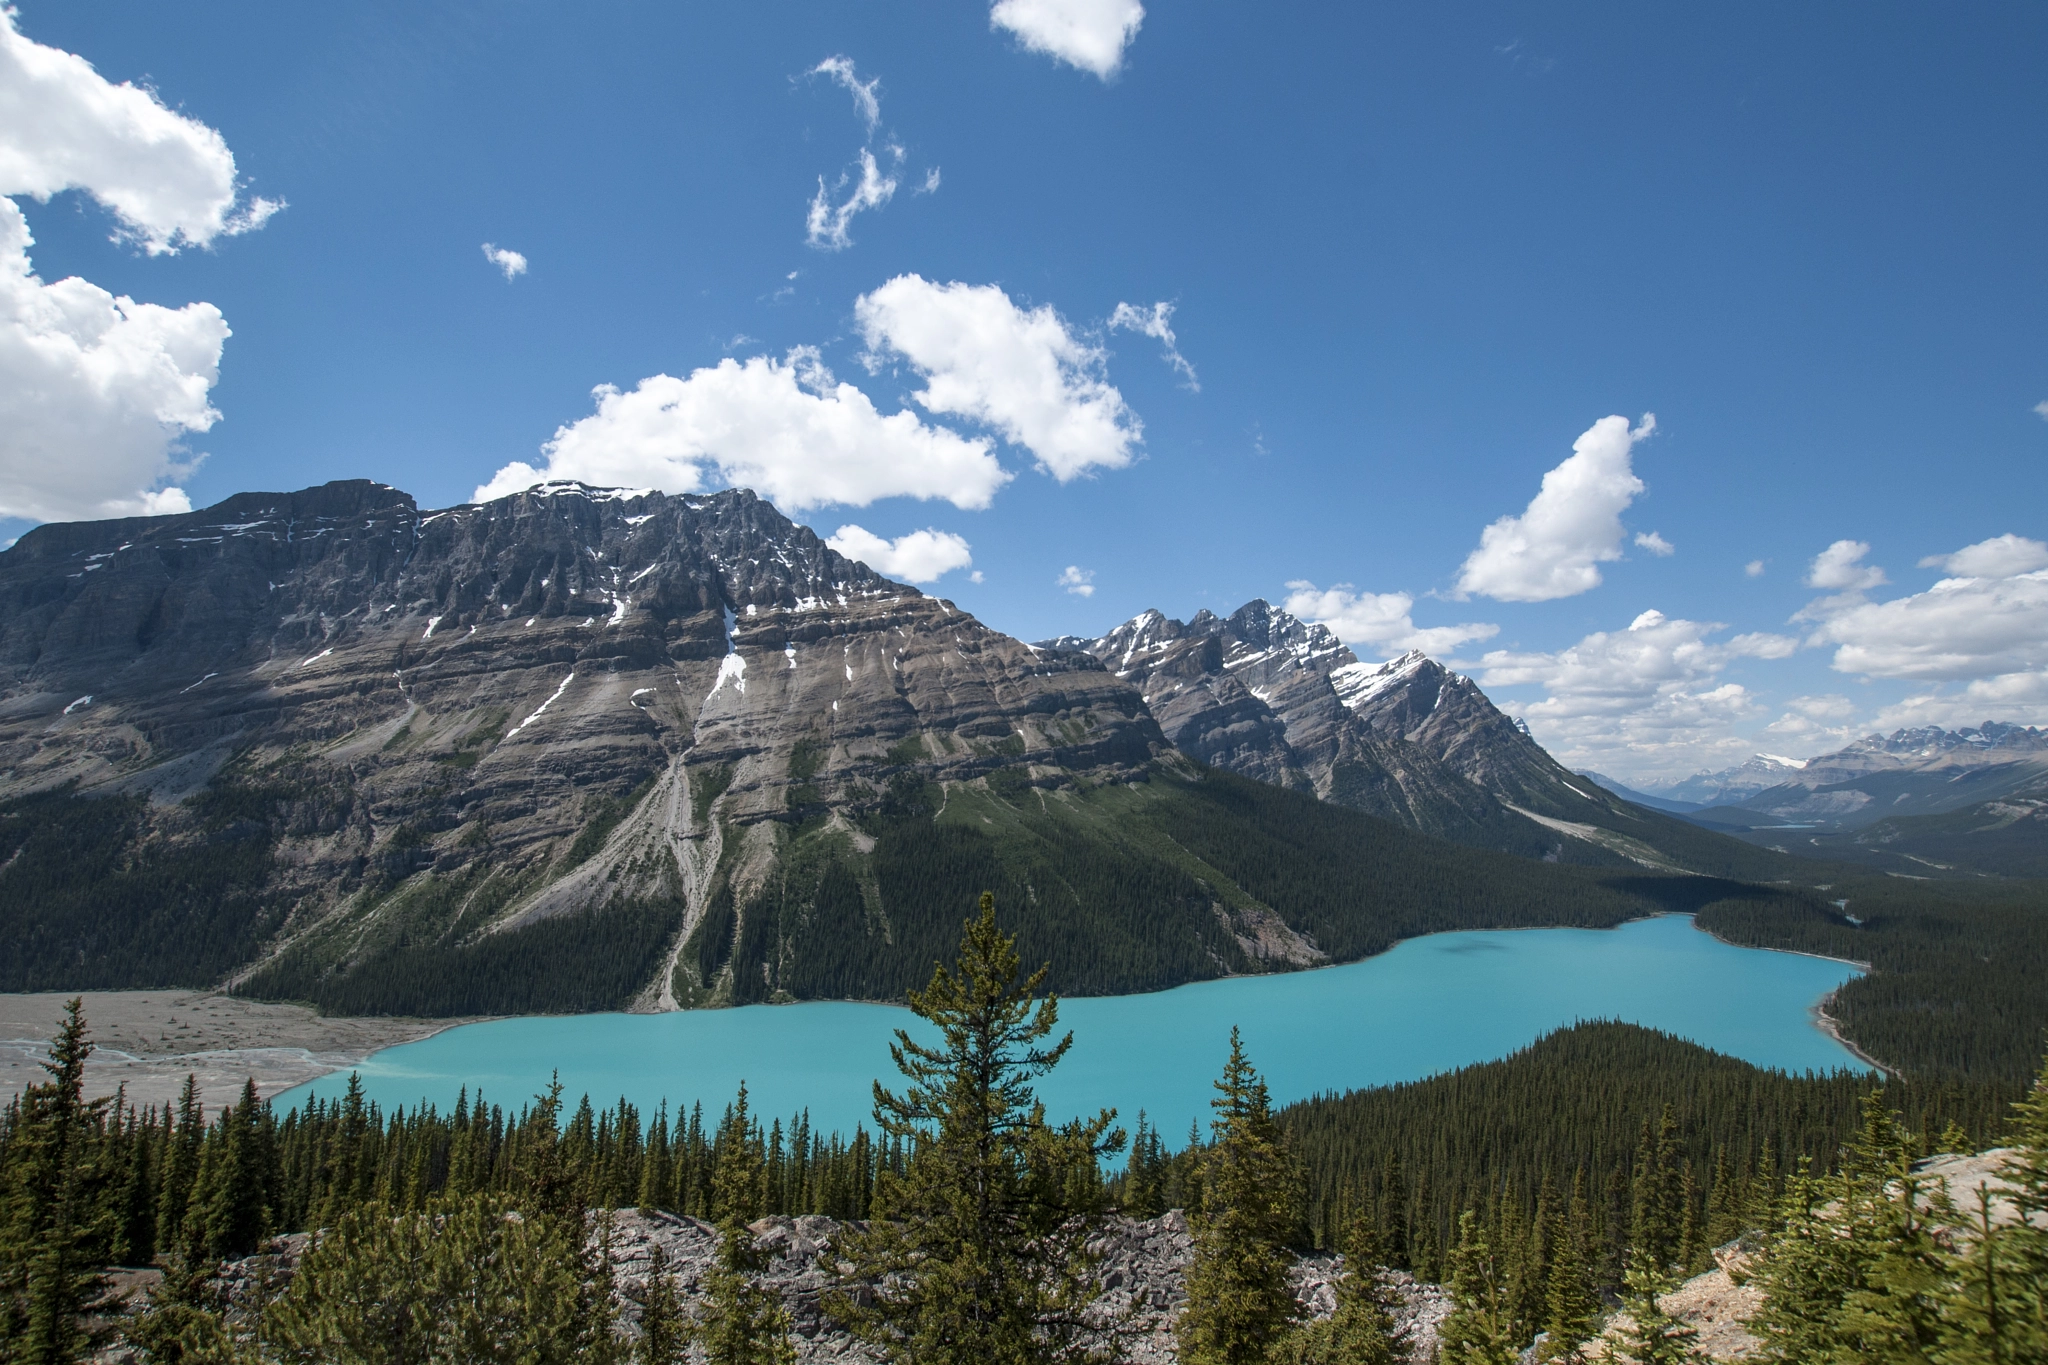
(743, 1323)
(54, 1228)
(1360, 1331)
(664, 1329)
(182, 1142)
(236, 1203)
(978, 1249)
(1572, 1304)
(1479, 1329)
(1650, 1335)
(1239, 1300)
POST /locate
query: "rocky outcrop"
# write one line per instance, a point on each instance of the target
(1142, 1273)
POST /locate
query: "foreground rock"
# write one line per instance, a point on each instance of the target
(1143, 1274)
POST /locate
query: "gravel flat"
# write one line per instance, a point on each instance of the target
(149, 1040)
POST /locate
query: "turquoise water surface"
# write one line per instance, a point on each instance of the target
(1428, 1005)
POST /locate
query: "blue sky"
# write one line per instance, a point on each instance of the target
(1412, 255)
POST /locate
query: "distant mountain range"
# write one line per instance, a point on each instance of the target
(1922, 801)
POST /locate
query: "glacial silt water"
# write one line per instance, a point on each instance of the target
(1429, 1005)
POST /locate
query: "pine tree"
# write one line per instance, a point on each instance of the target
(1479, 1329)
(236, 1203)
(664, 1330)
(1995, 1311)
(743, 1323)
(979, 1244)
(1361, 1329)
(1650, 1335)
(1571, 1303)
(53, 1226)
(1239, 1301)
(182, 1143)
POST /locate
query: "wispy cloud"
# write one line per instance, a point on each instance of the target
(1077, 580)
(867, 102)
(1156, 322)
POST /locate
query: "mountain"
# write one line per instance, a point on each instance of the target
(1641, 798)
(1758, 773)
(1284, 701)
(581, 748)
(1919, 802)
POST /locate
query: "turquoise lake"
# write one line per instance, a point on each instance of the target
(1429, 1005)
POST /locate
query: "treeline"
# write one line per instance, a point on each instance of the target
(1955, 988)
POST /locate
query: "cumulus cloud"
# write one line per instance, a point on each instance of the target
(920, 557)
(1379, 619)
(169, 180)
(1645, 702)
(784, 428)
(1999, 557)
(511, 262)
(1840, 567)
(1089, 34)
(1156, 322)
(2041, 408)
(866, 101)
(1077, 580)
(827, 225)
(1655, 544)
(1573, 525)
(1961, 628)
(1815, 724)
(1022, 372)
(97, 391)
(1753, 569)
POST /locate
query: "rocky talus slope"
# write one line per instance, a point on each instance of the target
(1262, 693)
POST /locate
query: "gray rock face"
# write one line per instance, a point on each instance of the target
(1282, 700)
(431, 690)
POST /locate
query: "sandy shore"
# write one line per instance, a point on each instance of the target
(149, 1040)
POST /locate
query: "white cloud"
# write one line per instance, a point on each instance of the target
(1999, 557)
(1753, 569)
(511, 262)
(170, 180)
(97, 391)
(931, 182)
(866, 102)
(1573, 524)
(920, 557)
(1655, 544)
(1022, 372)
(1961, 628)
(1089, 34)
(1643, 702)
(1077, 580)
(1815, 724)
(826, 224)
(1840, 567)
(783, 428)
(2019, 698)
(2042, 409)
(1380, 619)
(1156, 322)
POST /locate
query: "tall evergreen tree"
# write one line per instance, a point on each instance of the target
(1360, 1331)
(53, 1226)
(1571, 1302)
(979, 1248)
(743, 1323)
(1650, 1335)
(1239, 1301)
(1480, 1327)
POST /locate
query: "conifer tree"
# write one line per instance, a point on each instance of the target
(1652, 1336)
(1239, 1301)
(180, 1167)
(979, 1244)
(1571, 1303)
(236, 1210)
(1361, 1329)
(1996, 1310)
(664, 1330)
(53, 1229)
(743, 1323)
(1479, 1329)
